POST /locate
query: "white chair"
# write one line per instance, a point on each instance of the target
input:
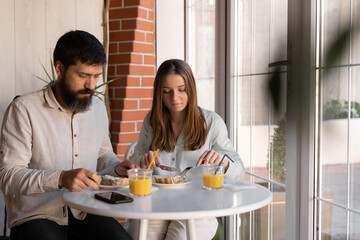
(130, 150)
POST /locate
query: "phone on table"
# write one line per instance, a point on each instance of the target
(113, 197)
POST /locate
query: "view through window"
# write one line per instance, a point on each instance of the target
(261, 40)
(339, 152)
(201, 45)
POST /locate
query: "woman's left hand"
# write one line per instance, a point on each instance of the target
(210, 156)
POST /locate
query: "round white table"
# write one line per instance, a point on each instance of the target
(188, 202)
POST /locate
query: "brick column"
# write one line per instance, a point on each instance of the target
(131, 58)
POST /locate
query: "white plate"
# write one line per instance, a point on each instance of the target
(110, 187)
(175, 185)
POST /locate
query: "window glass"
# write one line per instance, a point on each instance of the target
(354, 226)
(202, 50)
(260, 130)
(332, 227)
(339, 153)
(336, 18)
(354, 151)
(334, 133)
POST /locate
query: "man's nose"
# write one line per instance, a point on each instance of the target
(91, 82)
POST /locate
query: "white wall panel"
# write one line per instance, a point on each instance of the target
(29, 31)
(29, 44)
(88, 17)
(170, 30)
(7, 56)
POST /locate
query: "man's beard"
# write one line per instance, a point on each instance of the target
(71, 98)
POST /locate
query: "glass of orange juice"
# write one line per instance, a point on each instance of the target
(139, 183)
(213, 175)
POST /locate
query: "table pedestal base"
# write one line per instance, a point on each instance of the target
(143, 229)
(190, 229)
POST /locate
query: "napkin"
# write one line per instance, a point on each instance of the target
(236, 186)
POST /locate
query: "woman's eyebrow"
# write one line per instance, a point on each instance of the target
(176, 86)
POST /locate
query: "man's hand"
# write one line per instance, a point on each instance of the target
(146, 159)
(77, 180)
(124, 166)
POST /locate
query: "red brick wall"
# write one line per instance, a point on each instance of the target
(131, 58)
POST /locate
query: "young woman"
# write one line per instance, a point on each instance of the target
(186, 135)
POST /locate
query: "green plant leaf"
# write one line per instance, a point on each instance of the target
(107, 82)
(337, 47)
(41, 79)
(52, 70)
(47, 74)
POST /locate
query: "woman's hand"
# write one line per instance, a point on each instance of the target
(146, 159)
(121, 170)
(210, 156)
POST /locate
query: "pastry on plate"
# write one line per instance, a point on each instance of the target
(113, 181)
(169, 179)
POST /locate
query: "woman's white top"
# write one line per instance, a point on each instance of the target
(217, 140)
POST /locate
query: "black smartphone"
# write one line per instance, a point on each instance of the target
(113, 197)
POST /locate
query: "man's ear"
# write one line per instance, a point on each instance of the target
(59, 69)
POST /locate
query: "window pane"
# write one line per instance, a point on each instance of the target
(259, 219)
(333, 222)
(202, 54)
(354, 226)
(355, 43)
(354, 140)
(334, 135)
(244, 37)
(336, 17)
(278, 33)
(260, 137)
(243, 95)
(254, 36)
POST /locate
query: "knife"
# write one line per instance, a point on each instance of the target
(108, 169)
(167, 168)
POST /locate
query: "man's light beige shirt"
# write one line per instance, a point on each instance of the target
(39, 139)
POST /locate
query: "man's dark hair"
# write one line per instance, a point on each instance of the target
(79, 45)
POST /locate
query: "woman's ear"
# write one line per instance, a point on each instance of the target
(59, 69)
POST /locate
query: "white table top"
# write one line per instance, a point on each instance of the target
(188, 202)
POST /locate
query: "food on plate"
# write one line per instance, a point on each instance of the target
(169, 179)
(113, 181)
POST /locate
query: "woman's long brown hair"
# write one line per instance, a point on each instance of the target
(195, 128)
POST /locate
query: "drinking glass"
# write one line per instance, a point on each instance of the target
(139, 183)
(213, 175)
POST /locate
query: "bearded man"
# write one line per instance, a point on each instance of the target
(56, 139)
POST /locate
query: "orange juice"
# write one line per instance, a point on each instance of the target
(213, 181)
(140, 185)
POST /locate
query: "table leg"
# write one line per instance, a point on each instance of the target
(190, 229)
(143, 228)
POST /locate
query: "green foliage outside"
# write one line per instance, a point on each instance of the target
(278, 152)
(335, 109)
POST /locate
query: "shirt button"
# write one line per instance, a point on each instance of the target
(173, 159)
(76, 155)
(75, 135)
